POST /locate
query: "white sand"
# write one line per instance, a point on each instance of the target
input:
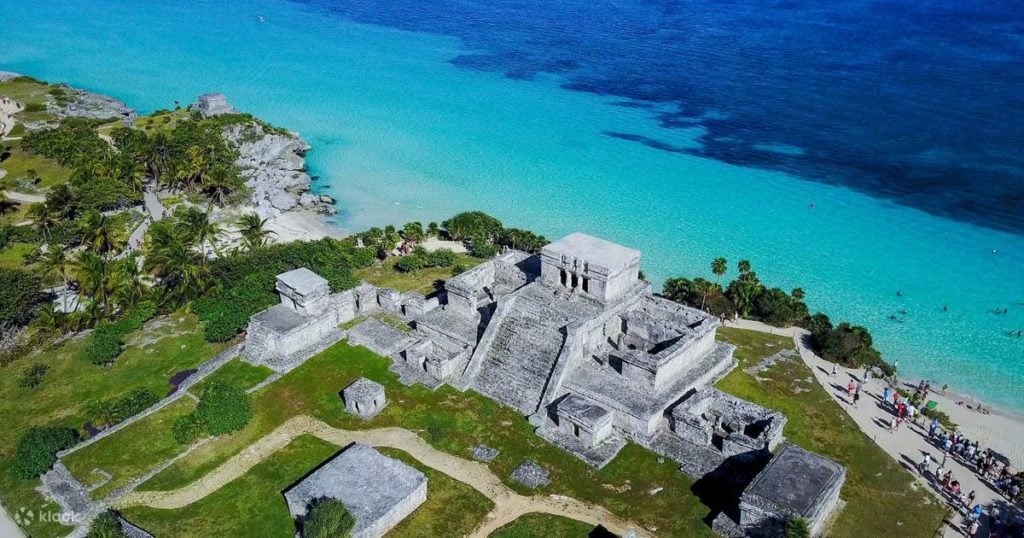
(301, 226)
(434, 243)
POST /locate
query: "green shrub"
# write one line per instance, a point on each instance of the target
(35, 107)
(104, 344)
(441, 257)
(106, 525)
(57, 92)
(38, 447)
(10, 235)
(33, 376)
(223, 408)
(797, 527)
(20, 295)
(188, 429)
(482, 249)
(114, 410)
(409, 264)
(363, 257)
(328, 518)
(473, 224)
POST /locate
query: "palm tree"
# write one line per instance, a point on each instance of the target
(192, 170)
(219, 184)
(199, 229)
(6, 204)
(744, 266)
(56, 261)
(158, 155)
(180, 270)
(93, 275)
(48, 323)
(98, 233)
(718, 266)
(61, 201)
(127, 287)
(43, 218)
(798, 294)
(253, 230)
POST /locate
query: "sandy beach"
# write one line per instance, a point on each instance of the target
(302, 226)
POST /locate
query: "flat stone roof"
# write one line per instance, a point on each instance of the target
(796, 479)
(367, 482)
(583, 410)
(280, 319)
(363, 390)
(611, 256)
(303, 281)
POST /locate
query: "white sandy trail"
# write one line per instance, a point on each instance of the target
(509, 505)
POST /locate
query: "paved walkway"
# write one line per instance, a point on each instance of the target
(22, 197)
(509, 505)
(907, 445)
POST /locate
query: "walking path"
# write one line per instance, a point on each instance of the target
(509, 505)
(22, 197)
(907, 445)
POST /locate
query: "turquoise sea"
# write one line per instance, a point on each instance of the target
(412, 120)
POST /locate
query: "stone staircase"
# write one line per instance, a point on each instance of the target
(522, 355)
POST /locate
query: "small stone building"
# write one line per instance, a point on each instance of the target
(379, 491)
(212, 104)
(728, 424)
(364, 398)
(297, 323)
(795, 483)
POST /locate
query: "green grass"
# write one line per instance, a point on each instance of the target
(252, 505)
(17, 215)
(425, 281)
(155, 354)
(881, 497)
(11, 257)
(455, 422)
(237, 373)
(452, 508)
(394, 321)
(26, 91)
(49, 171)
(543, 526)
(127, 454)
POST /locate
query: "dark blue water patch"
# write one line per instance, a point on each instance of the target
(921, 102)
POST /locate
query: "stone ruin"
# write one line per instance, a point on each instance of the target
(377, 490)
(572, 338)
(212, 104)
(795, 483)
(364, 398)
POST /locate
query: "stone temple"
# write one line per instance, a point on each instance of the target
(572, 338)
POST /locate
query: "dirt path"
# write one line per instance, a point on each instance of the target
(509, 505)
(22, 197)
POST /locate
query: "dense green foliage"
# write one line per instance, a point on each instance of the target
(223, 408)
(20, 295)
(473, 225)
(105, 342)
(188, 429)
(243, 283)
(33, 376)
(37, 450)
(114, 410)
(419, 258)
(846, 344)
(106, 525)
(484, 234)
(328, 518)
(10, 235)
(72, 143)
(748, 297)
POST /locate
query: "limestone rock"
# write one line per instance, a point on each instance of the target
(85, 104)
(8, 75)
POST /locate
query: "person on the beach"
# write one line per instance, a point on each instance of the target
(944, 387)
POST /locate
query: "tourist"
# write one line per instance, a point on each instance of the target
(856, 397)
(926, 464)
(976, 513)
(886, 392)
(893, 424)
(944, 387)
(970, 500)
(851, 388)
(835, 365)
(932, 427)
(972, 529)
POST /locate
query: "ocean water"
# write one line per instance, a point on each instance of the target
(851, 151)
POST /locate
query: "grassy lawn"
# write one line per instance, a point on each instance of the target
(881, 497)
(425, 281)
(237, 373)
(11, 256)
(451, 509)
(156, 353)
(455, 422)
(18, 164)
(126, 455)
(254, 504)
(26, 91)
(543, 526)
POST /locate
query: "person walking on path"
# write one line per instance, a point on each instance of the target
(856, 397)
(851, 387)
(835, 366)
(933, 427)
(886, 393)
(926, 464)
